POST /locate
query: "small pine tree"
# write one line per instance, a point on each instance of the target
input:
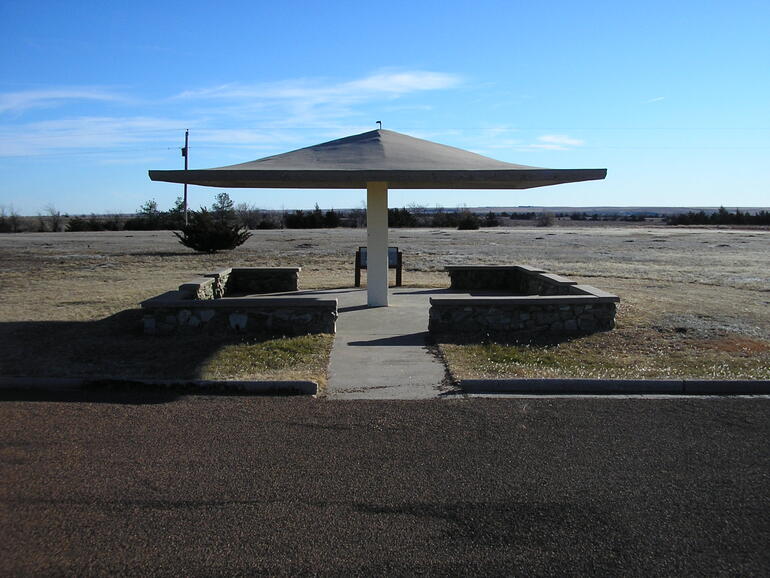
(206, 234)
(223, 208)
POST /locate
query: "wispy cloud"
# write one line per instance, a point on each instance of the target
(101, 133)
(656, 99)
(313, 102)
(16, 102)
(553, 142)
(556, 142)
(257, 116)
(386, 83)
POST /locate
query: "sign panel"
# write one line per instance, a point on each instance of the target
(392, 257)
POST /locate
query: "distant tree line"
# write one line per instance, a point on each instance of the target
(720, 217)
(584, 216)
(315, 219)
(149, 217)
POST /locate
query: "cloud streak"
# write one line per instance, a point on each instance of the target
(17, 102)
(546, 142)
(316, 103)
(226, 115)
(556, 142)
(106, 134)
(386, 84)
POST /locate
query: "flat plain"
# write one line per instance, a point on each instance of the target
(127, 482)
(694, 301)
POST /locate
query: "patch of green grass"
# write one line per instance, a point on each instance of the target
(303, 357)
(620, 354)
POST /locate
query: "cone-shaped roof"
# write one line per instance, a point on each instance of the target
(402, 161)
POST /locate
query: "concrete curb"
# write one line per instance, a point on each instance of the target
(209, 387)
(616, 386)
(738, 387)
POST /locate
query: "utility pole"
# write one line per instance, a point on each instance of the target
(184, 154)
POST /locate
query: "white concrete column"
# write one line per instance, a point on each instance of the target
(377, 243)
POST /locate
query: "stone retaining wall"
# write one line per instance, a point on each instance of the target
(242, 281)
(534, 302)
(514, 279)
(251, 280)
(275, 316)
(207, 305)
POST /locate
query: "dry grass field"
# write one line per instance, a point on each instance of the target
(695, 301)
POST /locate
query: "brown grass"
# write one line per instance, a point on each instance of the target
(693, 300)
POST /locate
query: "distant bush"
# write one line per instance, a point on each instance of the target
(77, 225)
(401, 218)
(467, 221)
(10, 221)
(268, 223)
(442, 218)
(252, 217)
(546, 220)
(491, 220)
(206, 233)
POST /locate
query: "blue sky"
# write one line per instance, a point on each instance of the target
(673, 98)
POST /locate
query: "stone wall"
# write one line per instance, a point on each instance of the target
(251, 280)
(241, 281)
(514, 279)
(511, 317)
(202, 289)
(533, 302)
(219, 281)
(215, 304)
(274, 316)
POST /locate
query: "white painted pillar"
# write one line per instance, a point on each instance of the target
(377, 243)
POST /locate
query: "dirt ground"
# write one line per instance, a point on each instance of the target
(684, 283)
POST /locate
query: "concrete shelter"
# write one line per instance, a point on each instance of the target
(378, 160)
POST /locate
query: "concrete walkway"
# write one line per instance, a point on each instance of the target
(380, 353)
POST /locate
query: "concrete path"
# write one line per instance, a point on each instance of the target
(380, 353)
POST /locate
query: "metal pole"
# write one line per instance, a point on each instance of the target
(185, 155)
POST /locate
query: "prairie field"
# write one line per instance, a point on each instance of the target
(694, 301)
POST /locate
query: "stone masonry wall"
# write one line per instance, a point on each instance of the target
(220, 281)
(251, 280)
(242, 280)
(207, 305)
(486, 279)
(256, 318)
(538, 303)
(515, 279)
(502, 319)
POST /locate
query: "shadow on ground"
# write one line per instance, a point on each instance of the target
(142, 396)
(407, 340)
(113, 347)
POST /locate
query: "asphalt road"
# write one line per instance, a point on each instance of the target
(111, 484)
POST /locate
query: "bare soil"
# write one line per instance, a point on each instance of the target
(69, 301)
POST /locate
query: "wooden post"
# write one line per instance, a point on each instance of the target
(186, 155)
(358, 268)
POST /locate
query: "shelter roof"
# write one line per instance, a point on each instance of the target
(402, 161)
